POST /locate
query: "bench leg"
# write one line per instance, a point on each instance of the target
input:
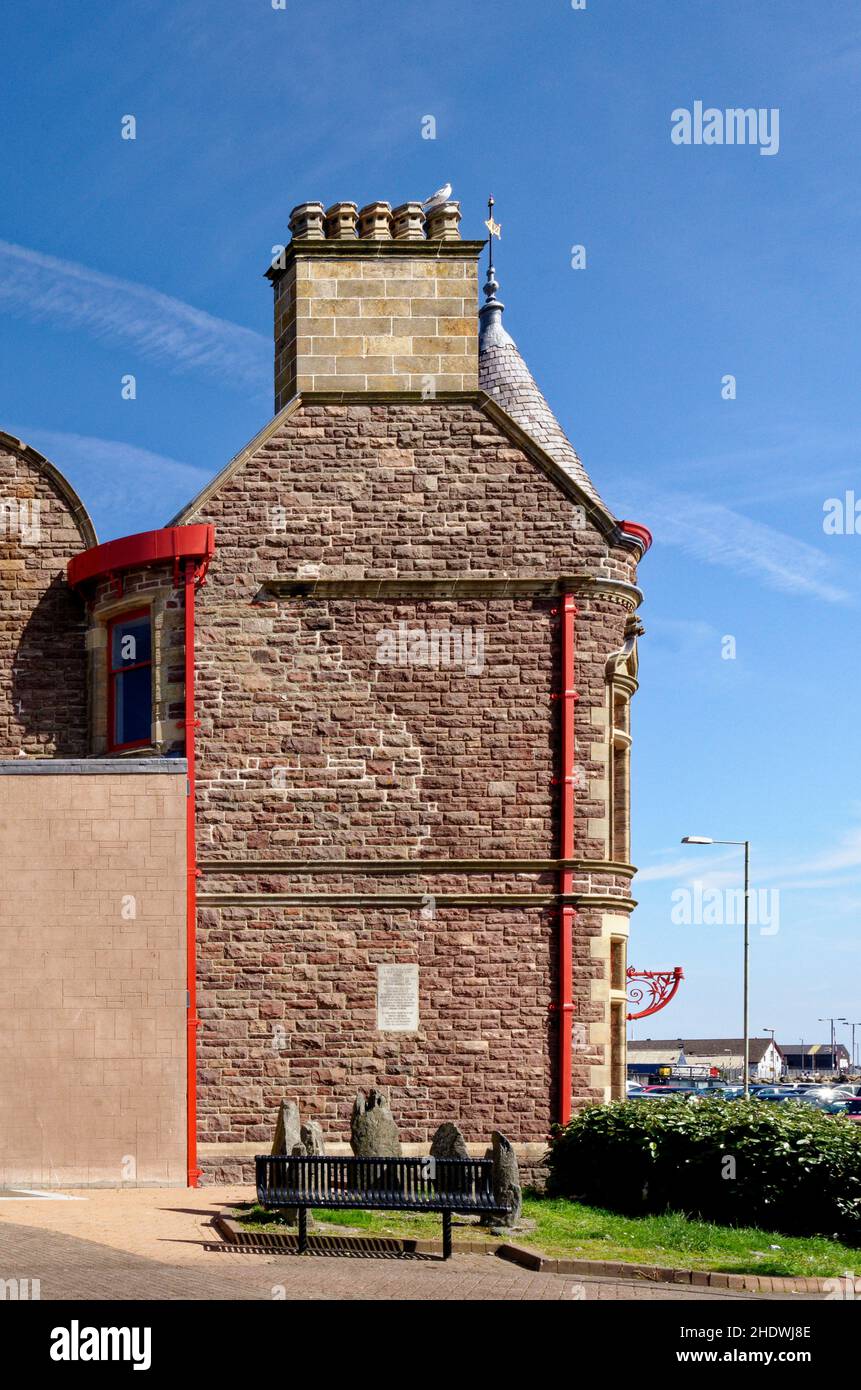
(303, 1230)
(446, 1235)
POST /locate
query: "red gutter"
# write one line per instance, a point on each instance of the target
(148, 548)
(638, 532)
(191, 578)
(193, 545)
(566, 912)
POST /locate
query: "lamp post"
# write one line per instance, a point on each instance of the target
(707, 840)
(832, 1021)
(853, 1026)
(774, 1075)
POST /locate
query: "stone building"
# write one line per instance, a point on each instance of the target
(392, 647)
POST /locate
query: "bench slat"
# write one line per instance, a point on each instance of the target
(397, 1184)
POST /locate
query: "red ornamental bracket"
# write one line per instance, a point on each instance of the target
(656, 991)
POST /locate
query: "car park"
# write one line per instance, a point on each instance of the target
(829, 1093)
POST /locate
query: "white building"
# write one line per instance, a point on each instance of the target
(725, 1055)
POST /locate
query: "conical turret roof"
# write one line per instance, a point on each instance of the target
(504, 375)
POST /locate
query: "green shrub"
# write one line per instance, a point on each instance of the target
(783, 1167)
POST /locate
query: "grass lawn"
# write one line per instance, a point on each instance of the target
(564, 1228)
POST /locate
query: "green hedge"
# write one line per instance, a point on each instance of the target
(786, 1168)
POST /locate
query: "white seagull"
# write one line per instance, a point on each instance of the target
(436, 200)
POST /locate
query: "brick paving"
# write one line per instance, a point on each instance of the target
(151, 1244)
(70, 1268)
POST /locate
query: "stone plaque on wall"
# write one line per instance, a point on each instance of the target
(397, 998)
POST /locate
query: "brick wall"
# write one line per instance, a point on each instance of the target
(311, 747)
(43, 689)
(92, 975)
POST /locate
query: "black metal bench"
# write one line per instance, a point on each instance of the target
(461, 1186)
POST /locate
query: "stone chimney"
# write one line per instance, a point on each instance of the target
(375, 299)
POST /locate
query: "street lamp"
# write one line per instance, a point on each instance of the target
(772, 1031)
(707, 840)
(832, 1021)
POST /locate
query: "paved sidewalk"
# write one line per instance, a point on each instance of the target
(151, 1244)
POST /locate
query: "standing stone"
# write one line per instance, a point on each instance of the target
(506, 1178)
(373, 1132)
(312, 1138)
(448, 1142)
(288, 1130)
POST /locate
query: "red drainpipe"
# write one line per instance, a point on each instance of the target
(193, 548)
(566, 913)
(191, 577)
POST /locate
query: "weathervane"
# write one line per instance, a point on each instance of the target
(491, 284)
(494, 228)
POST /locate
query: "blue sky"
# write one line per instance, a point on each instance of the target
(147, 256)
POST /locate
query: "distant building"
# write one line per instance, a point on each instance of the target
(816, 1057)
(699, 1056)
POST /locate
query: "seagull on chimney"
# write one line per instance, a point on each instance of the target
(438, 199)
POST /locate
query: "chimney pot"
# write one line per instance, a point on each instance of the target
(408, 222)
(442, 222)
(375, 314)
(306, 222)
(375, 222)
(341, 219)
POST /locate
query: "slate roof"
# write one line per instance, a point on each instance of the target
(701, 1047)
(504, 375)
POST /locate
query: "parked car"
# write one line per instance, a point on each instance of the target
(829, 1093)
(671, 1092)
(834, 1106)
(852, 1109)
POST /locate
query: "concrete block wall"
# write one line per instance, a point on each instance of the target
(92, 973)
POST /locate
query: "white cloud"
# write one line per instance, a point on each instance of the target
(717, 535)
(830, 868)
(162, 329)
(120, 462)
(682, 873)
(135, 488)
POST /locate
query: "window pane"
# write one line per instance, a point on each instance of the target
(131, 643)
(133, 706)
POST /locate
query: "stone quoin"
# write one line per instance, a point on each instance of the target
(456, 800)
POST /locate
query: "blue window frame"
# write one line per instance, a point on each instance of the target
(130, 681)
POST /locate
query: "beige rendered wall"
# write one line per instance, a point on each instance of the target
(92, 973)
